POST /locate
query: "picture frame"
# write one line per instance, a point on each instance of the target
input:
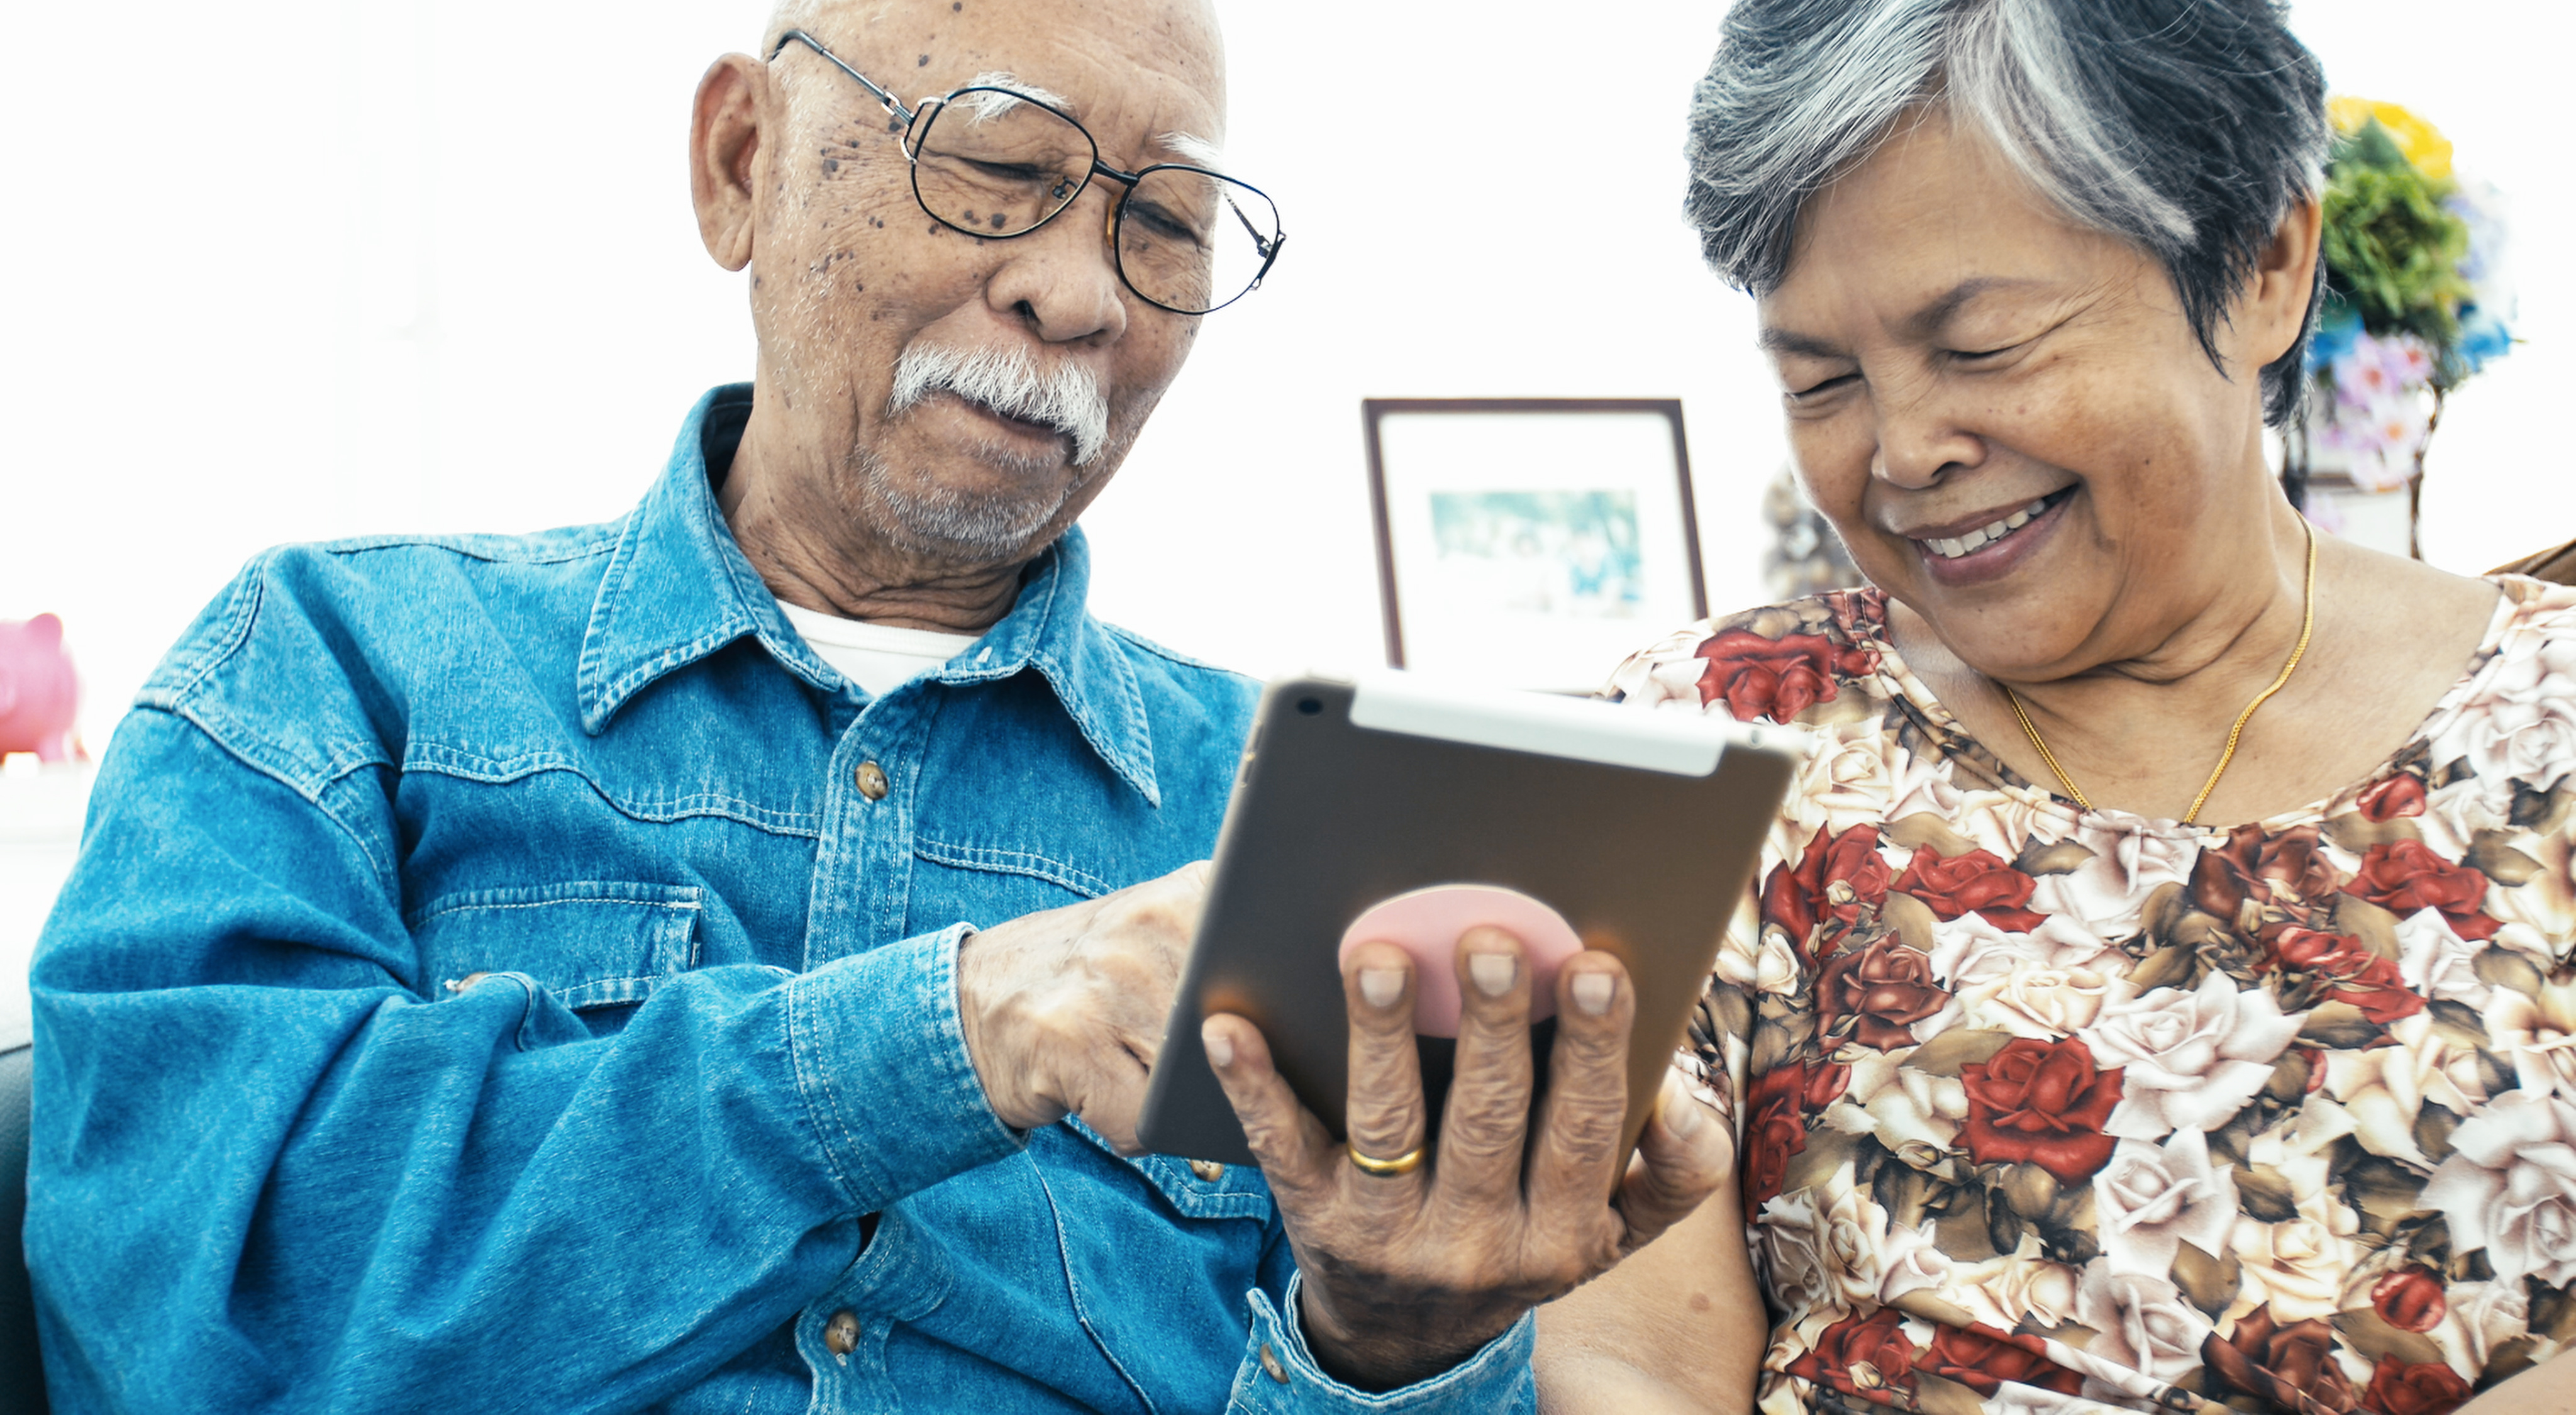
(1531, 542)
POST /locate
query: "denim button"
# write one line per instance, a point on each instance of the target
(1270, 1365)
(469, 980)
(871, 779)
(1208, 1170)
(841, 1333)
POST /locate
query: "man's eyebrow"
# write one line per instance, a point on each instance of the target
(1192, 148)
(993, 105)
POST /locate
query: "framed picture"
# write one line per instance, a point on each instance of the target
(1531, 542)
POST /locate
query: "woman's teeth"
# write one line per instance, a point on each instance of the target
(1956, 546)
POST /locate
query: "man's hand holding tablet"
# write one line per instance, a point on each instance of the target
(1446, 1154)
(1410, 1267)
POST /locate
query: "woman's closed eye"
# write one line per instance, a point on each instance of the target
(1998, 352)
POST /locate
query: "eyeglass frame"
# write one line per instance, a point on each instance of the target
(908, 119)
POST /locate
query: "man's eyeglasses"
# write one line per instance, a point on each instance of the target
(998, 163)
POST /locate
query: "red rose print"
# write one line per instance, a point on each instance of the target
(1826, 1082)
(1879, 993)
(1860, 1356)
(2291, 1366)
(2399, 795)
(2040, 1103)
(1977, 882)
(2414, 1388)
(1983, 1363)
(2254, 864)
(2410, 1299)
(2404, 876)
(1835, 879)
(1775, 1129)
(2351, 972)
(1775, 678)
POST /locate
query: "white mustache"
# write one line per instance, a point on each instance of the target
(1008, 381)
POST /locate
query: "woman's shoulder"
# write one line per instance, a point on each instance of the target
(1776, 664)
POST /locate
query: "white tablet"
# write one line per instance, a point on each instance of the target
(1639, 830)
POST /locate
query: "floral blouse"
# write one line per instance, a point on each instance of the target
(2046, 1109)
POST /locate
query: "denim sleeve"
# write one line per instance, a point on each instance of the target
(1279, 1374)
(267, 1173)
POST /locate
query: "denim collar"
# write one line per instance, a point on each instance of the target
(678, 588)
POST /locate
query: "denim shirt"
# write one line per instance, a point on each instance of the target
(516, 973)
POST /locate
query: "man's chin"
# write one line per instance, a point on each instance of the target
(957, 526)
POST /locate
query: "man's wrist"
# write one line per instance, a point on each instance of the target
(1280, 1372)
(1368, 1356)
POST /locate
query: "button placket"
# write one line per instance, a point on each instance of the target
(867, 835)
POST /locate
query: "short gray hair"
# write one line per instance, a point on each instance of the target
(2188, 128)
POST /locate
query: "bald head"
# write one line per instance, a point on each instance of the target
(1185, 25)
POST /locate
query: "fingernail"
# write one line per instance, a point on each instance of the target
(1593, 991)
(1682, 1115)
(1220, 1048)
(1492, 972)
(1381, 986)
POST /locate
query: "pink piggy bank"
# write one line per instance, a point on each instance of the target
(38, 692)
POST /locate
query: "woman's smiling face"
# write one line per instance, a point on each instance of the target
(2006, 416)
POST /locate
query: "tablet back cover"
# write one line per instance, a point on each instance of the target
(1329, 818)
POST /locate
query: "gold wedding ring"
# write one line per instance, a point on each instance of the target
(1388, 1169)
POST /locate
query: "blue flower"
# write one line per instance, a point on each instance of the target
(2482, 337)
(2338, 325)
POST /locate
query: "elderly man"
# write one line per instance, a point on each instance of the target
(544, 972)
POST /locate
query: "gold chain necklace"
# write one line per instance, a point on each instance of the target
(2307, 623)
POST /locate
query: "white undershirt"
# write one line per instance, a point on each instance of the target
(878, 657)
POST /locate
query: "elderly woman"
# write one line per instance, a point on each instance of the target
(2158, 995)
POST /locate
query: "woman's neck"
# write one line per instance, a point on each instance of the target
(2141, 732)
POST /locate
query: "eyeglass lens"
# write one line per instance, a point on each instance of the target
(993, 164)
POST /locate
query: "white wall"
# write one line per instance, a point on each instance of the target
(321, 267)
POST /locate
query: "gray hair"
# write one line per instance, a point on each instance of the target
(2188, 128)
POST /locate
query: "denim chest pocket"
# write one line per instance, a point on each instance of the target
(1195, 1189)
(989, 882)
(591, 944)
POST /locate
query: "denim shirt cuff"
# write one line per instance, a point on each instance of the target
(1496, 1378)
(880, 1057)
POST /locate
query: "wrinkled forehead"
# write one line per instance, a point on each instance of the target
(1146, 76)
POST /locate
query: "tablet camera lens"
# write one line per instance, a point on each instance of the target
(1310, 706)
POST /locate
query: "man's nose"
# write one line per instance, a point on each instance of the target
(1062, 279)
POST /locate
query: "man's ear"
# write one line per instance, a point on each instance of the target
(2284, 280)
(727, 157)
